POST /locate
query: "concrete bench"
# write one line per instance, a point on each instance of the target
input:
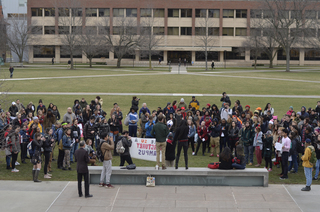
(179, 177)
(16, 64)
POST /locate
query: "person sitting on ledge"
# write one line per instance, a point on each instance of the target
(239, 162)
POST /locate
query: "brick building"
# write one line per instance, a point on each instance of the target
(179, 22)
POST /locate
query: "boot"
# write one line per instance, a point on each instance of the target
(307, 188)
(36, 175)
(33, 172)
(186, 161)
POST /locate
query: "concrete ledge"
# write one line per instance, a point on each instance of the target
(192, 176)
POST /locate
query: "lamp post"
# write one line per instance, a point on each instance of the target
(225, 59)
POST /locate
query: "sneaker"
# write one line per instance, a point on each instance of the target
(217, 156)
(47, 176)
(17, 163)
(109, 186)
(269, 170)
(14, 170)
(257, 165)
(314, 178)
(192, 153)
(211, 155)
(283, 178)
(250, 164)
(164, 167)
(157, 167)
(102, 185)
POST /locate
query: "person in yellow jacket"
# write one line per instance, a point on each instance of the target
(194, 103)
(36, 122)
(307, 165)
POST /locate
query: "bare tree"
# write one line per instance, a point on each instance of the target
(206, 34)
(253, 43)
(70, 25)
(124, 38)
(3, 38)
(286, 19)
(150, 36)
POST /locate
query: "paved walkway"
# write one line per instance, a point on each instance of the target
(162, 94)
(55, 196)
(179, 70)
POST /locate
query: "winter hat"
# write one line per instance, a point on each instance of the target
(248, 106)
(258, 108)
(35, 118)
(308, 140)
(182, 100)
(13, 103)
(270, 122)
(168, 103)
(208, 105)
(299, 113)
(291, 107)
(182, 108)
(268, 132)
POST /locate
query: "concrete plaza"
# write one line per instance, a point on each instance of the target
(61, 196)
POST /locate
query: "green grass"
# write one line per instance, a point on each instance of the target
(158, 83)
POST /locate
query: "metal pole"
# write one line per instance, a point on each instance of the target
(225, 60)
(179, 68)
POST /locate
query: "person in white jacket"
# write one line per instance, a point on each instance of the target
(258, 144)
(225, 111)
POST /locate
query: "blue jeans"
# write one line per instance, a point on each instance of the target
(133, 131)
(113, 136)
(294, 163)
(248, 152)
(238, 166)
(8, 159)
(72, 150)
(317, 168)
(308, 174)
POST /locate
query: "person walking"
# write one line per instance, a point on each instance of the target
(52, 61)
(181, 136)
(11, 69)
(212, 65)
(307, 165)
(160, 131)
(106, 145)
(82, 159)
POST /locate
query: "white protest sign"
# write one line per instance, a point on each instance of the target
(144, 149)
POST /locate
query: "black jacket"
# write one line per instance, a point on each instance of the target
(317, 150)
(126, 144)
(226, 164)
(86, 116)
(181, 134)
(82, 159)
(135, 105)
(13, 110)
(75, 133)
(233, 132)
(104, 127)
(87, 130)
(115, 124)
(47, 144)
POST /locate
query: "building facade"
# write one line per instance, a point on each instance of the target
(179, 22)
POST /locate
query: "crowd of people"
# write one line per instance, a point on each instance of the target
(233, 134)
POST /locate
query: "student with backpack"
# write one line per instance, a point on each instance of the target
(123, 148)
(309, 160)
(105, 150)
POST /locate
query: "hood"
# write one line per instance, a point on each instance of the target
(305, 109)
(215, 120)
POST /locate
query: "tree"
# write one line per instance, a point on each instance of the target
(124, 38)
(253, 43)
(70, 23)
(287, 27)
(206, 34)
(3, 38)
(150, 37)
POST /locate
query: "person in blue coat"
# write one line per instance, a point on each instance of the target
(133, 122)
(148, 126)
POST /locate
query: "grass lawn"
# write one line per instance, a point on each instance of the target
(221, 68)
(157, 83)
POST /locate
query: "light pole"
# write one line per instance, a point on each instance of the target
(225, 59)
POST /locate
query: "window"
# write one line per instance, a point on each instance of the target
(200, 56)
(103, 30)
(117, 30)
(200, 31)
(186, 31)
(294, 54)
(310, 14)
(64, 30)
(310, 32)
(90, 12)
(104, 12)
(173, 13)
(76, 30)
(131, 12)
(91, 30)
(213, 31)
(241, 31)
(296, 14)
(65, 52)
(104, 54)
(145, 12)
(241, 13)
(201, 13)
(36, 11)
(118, 12)
(228, 13)
(36, 30)
(49, 30)
(260, 55)
(131, 30)
(158, 30)
(186, 13)
(19, 16)
(64, 12)
(158, 13)
(76, 12)
(146, 30)
(312, 55)
(255, 13)
(49, 12)
(255, 32)
(173, 30)
(283, 14)
(267, 14)
(214, 13)
(43, 51)
(296, 32)
(227, 32)
(235, 54)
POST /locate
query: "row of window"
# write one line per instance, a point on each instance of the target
(285, 14)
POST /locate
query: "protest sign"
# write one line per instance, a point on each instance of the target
(144, 149)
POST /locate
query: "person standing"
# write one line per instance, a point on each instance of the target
(247, 136)
(160, 131)
(107, 146)
(82, 159)
(37, 143)
(181, 136)
(286, 143)
(258, 144)
(133, 122)
(69, 116)
(11, 69)
(214, 130)
(159, 61)
(69, 64)
(75, 137)
(212, 65)
(307, 165)
(14, 136)
(67, 144)
(126, 142)
(52, 61)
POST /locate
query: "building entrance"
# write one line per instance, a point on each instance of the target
(174, 56)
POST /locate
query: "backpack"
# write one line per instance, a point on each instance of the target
(313, 158)
(300, 147)
(120, 148)
(99, 153)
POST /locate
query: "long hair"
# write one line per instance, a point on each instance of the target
(225, 155)
(183, 125)
(239, 150)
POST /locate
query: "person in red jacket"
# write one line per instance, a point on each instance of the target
(202, 138)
